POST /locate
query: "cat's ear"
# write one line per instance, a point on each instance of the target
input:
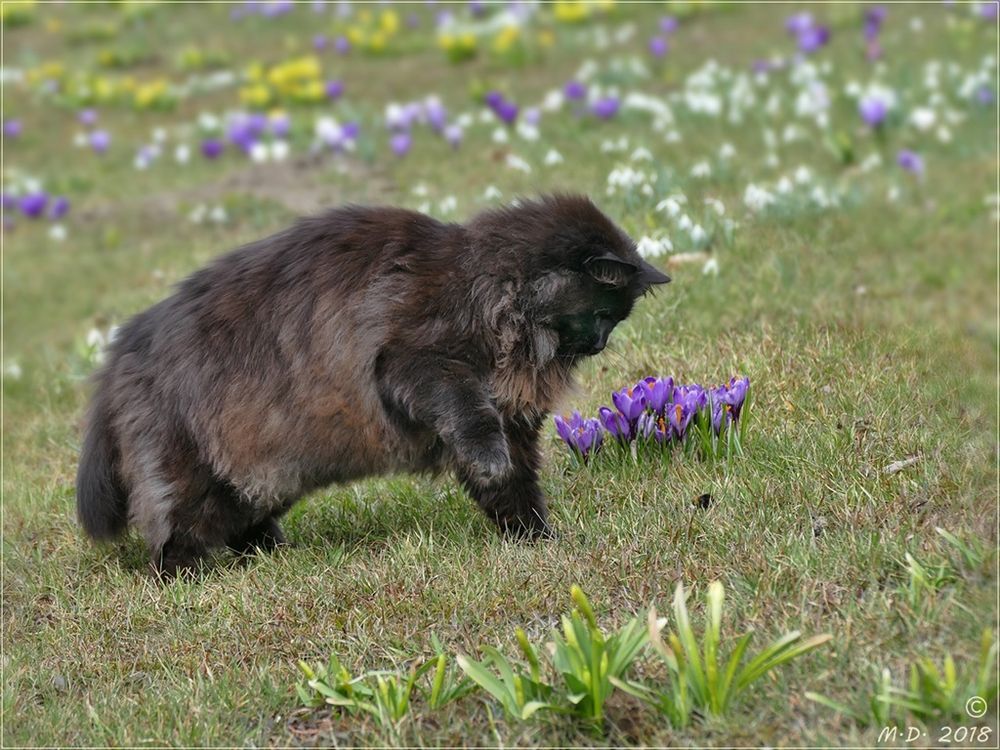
(649, 275)
(611, 270)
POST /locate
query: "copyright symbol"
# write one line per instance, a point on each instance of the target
(975, 707)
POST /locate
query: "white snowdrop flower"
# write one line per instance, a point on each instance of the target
(95, 339)
(791, 133)
(757, 198)
(701, 169)
(259, 152)
(553, 100)
(784, 185)
(770, 139)
(773, 104)
(80, 140)
(12, 370)
(853, 89)
(953, 116)
(923, 118)
(893, 194)
(499, 136)
(197, 215)
(673, 136)
(552, 158)
(328, 131)
(711, 267)
(727, 150)
(464, 120)
(916, 24)
(159, 135)
(624, 33)
(492, 193)
(944, 134)
(142, 160)
(685, 223)
(218, 215)
(641, 154)
(420, 189)
(516, 162)
(802, 174)
(772, 160)
(671, 205)
(208, 122)
(449, 204)
(279, 150)
(647, 190)
(820, 197)
(872, 161)
(527, 131)
(425, 207)
(648, 247)
(395, 115)
(698, 234)
(586, 71)
(716, 205)
(182, 154)
(993, 201)
(607, 146)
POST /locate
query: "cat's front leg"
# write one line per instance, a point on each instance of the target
(445, 395)
(517, 504)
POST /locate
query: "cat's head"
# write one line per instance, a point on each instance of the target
(580, 273)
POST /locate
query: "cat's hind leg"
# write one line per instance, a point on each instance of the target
(265, 536)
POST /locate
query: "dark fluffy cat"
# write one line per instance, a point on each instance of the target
(359, 342)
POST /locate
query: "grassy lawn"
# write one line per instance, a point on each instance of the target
(861, 301)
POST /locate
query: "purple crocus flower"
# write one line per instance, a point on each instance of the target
(814, 39)
(437, 115)
(333, 89)
(453, 134)
(507, 112)
(657, 392)
(87, 117)
(412, 21)
(350, 130)
(606, 107)
(59, 208)
(211, 148)
(874, 18)
(799, 23)
(679, 415)
(493, 99)
(733, 395)
(8, 201)
(988, 10)
(669, 24)
(653, 425)
(658, 46)
(341, 45)
(873, 111)
(11, 128)
(583, 436)
(477, 8)
(630, 402)
(320, 42)
(281, 125)
(532, 115)
(911, 161)
(984, 95)
(615, 424)
(33, 205)
(575, 90)
(401, 143)
(256, 123)
(100, 141)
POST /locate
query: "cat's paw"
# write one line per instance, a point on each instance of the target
(489, 465)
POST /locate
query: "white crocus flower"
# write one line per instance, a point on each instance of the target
(552, 158)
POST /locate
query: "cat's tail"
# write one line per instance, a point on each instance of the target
(101, 499)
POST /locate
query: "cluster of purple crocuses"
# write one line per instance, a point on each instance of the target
(656, 411)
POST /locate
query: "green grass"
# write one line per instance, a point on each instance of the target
(869, 333)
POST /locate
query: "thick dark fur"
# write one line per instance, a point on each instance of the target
(360, 342)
